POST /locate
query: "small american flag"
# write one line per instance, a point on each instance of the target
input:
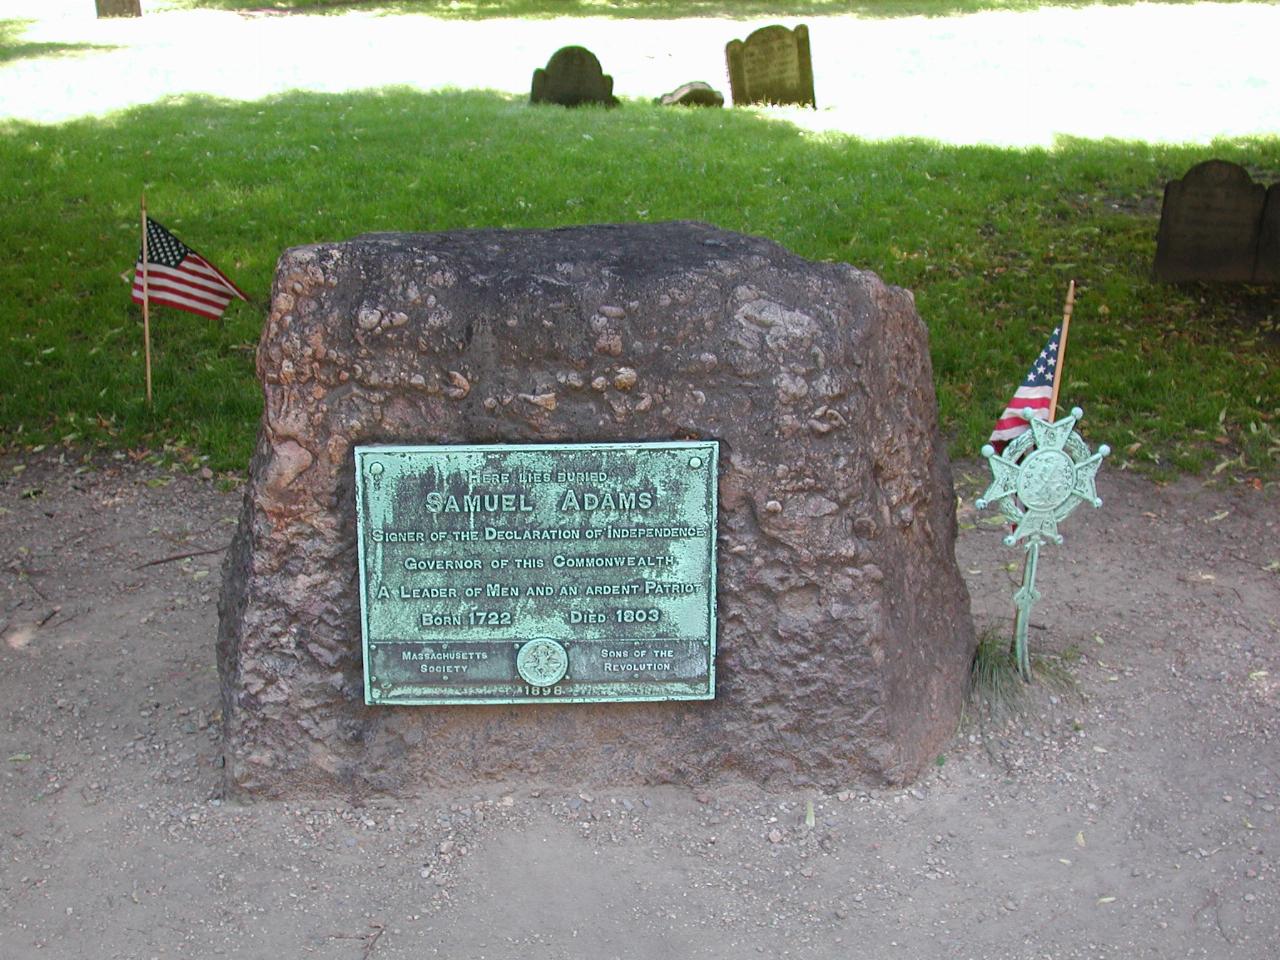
(1035, 393)
(179, 277)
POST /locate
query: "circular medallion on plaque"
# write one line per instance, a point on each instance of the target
(542, 662)
(1046, 479)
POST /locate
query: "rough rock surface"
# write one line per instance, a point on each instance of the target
(844, 634)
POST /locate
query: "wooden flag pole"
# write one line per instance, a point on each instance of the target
(1062, 348)
(146, 300)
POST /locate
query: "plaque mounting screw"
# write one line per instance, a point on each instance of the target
(375, 469)
(695, 462)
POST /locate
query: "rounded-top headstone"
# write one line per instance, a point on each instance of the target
(572, 77)
(1211, 226)
(844, 636)
(773, 65)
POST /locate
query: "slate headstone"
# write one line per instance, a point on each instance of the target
(1209, 225)
(773, 65)
(573, 76)
(1267, 267)
(693, 94)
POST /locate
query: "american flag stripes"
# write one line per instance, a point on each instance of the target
(179, 277)
(1035, 393)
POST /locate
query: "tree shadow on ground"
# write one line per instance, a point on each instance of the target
(13, 48)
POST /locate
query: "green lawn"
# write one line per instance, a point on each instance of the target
(987, 238)
(648, 9)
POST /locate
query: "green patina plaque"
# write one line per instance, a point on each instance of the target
(574, 573)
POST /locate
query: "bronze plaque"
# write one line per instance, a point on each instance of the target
(573, 573)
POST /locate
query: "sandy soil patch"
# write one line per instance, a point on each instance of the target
(1134, 817)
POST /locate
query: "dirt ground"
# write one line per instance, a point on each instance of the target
(1135, 816)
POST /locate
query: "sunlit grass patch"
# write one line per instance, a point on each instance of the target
(646, 9)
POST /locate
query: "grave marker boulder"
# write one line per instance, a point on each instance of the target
(571, 78)
(773, 65)
(843, 629)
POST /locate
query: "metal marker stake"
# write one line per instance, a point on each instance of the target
(1039, 479)
(1026, 596)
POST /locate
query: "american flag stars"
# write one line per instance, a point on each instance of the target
(177, 276)
(1034, 394)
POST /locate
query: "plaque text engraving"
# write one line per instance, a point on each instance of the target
(509, 574)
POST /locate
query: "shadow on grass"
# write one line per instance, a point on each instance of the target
(12, 48)
(986, 237)
(646, 9)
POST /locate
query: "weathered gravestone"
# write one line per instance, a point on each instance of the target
(1267, 268)
(572, 77)
(773, 65)
(118, 8)
(1210, 225)
(693, 94)
(844, 637)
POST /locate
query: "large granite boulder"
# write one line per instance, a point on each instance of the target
(844, 630)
